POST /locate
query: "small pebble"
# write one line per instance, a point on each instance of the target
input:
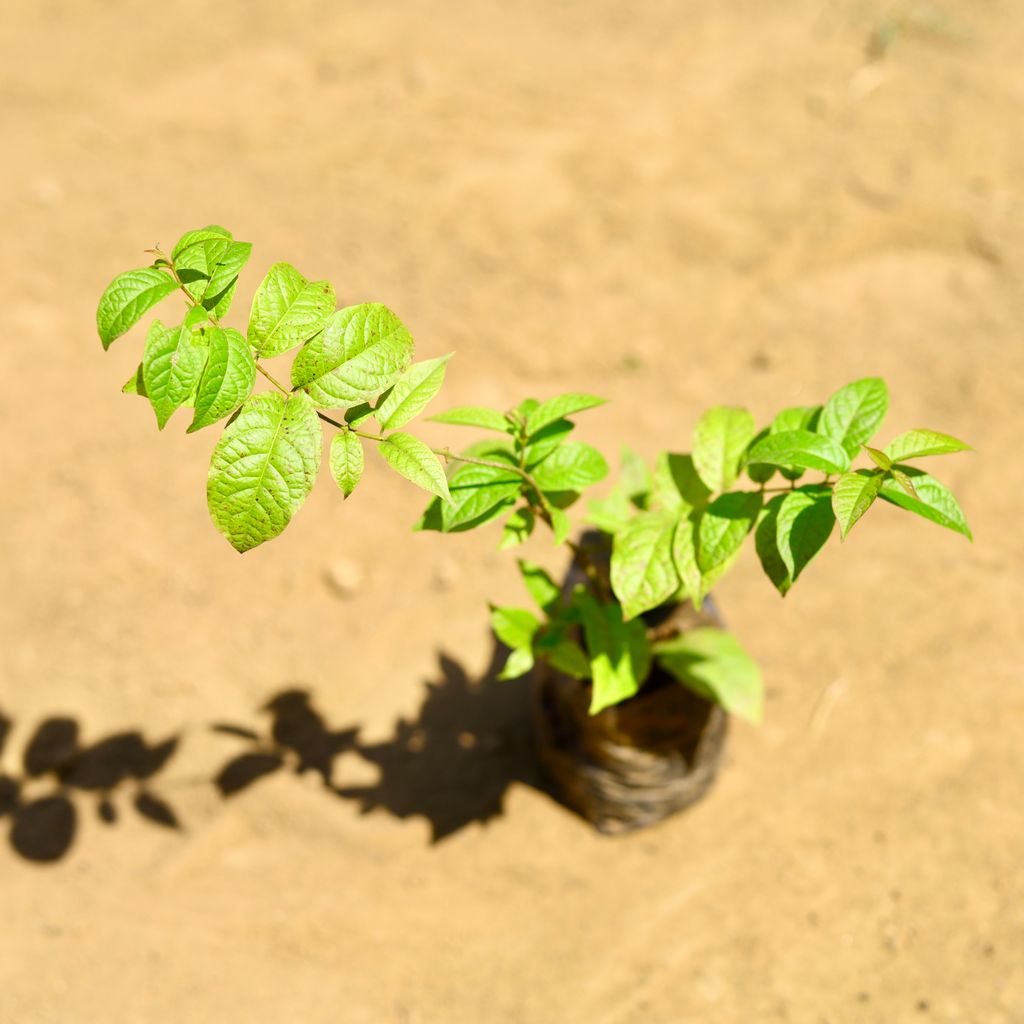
(344, 577)
(446, 575)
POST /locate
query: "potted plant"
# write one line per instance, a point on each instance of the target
(635, 673)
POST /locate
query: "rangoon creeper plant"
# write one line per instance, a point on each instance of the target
(674, 531)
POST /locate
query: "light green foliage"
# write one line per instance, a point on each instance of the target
(684, 558)
(135, 384)
(287, 310)
(561, 525)
(853, 495)
(172, 363)
(719, 441)
(571, 467)
(540, 445)
(675, 531)
(635, 478)
(792, 530)
(208, 263)
(803, 449)
(916, 444)
(410, 457)
(541, 586)
(642, 572)
(227, 379)
(720, 531)
(517, 529)
(346, 460)
(904, 481)
(711, 663)
(411, 393)
(361, 352)
(879, 458)
(475, 493)
(474, 416)
(128, 298)
(796, 417)
(539, 416)
(514, 627)
(263, 467)
(620, 654)
(853, 414)
(934, 501)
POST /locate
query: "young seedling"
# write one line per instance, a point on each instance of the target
(674, 531)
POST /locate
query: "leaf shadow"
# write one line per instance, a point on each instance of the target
(59, 773)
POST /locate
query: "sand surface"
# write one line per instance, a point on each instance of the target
(669, 204)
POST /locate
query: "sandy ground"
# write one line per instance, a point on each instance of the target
(670, 204)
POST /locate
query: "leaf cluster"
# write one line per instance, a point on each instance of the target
(675, 529)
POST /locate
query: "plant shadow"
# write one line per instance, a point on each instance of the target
(451, 764)
(59, 772)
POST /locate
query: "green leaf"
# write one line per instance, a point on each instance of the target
(514, 627)
(805, 521)
(611, 513)
(853, 414)
(263, 467)
(545, 441)
(934, 501)
(287, 310)
(191, 238)
(556, 408)
(791, 530)
(563, 654)
(411, 392)
(227, 379)
(520, 661)
(801, 448)
(128, 298)
(711, 663)
(635, 477)
(477, 491)
(880, 459)
(135, 384)
(684, 557)
(719, 440)
(759, 472)
(677, 484)
(410, 457)
(497, 448)
(346, 460)
(797, 417)
(543, 589)
(915, 444)
(707, 542)
(643, 575)
(474, 416)
(619, 652)
(517, 529)
(571, 467)
(904, 481)
(524, 408)
(852, 495)
(172, 363)
(561, 525)
(361, 352)
(766, 543)
(722, 527)
(209, 268)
